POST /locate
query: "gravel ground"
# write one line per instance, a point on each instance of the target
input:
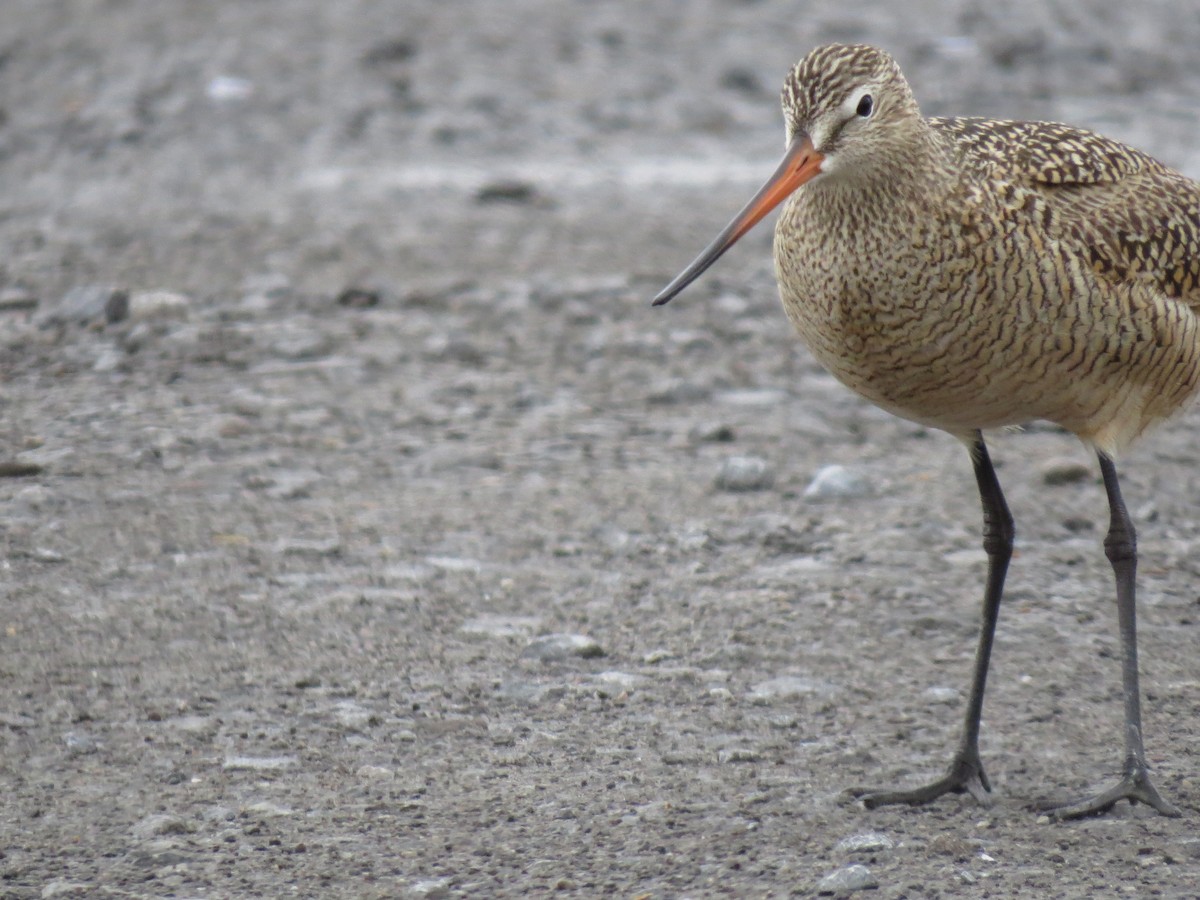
(368, 535)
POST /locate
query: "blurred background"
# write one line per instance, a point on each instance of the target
(364, 532)
(512, 139)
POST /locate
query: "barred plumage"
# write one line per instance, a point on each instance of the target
(971, 273)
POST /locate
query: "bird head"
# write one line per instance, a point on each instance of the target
(844, 106)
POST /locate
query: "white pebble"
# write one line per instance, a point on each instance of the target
(837, 482)
(744, 473)
(852, 878)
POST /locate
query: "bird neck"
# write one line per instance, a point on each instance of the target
(912, 171)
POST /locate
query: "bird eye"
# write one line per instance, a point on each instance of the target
(865, 106)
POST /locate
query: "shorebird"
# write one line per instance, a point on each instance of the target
(970, 274)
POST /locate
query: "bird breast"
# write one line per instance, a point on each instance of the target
(969, 312)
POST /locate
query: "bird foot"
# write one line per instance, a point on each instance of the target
(1134, 786)
(965, 775)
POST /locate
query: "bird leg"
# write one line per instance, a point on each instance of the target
(966, 770)
(1120, 546)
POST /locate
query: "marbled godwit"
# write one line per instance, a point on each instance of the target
(970, 274)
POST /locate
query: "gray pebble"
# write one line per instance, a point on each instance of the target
(739, 755)
(526, 691)
(837, 482)
(866, 842)
(358, 298)
(506, 190)
(678, 391)
(109, 359)
(625, 681)
(157, 305)
(301, 344)
(375, 773)
(745, 473)
(559, 647)
(80, 743)
(1064, 471)
(843, 881)
(86, 304)
(201, 726)
(432, 888)
(17, 298)
(941, 694)
(500, 626)
(263, 763)
(315, 548)
(159, 824)
(786, 687)
(753, 398)
(292, 484)
(60, 887)
(267, 810)
(713, 432)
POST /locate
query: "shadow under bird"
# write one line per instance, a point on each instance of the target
(969, 273)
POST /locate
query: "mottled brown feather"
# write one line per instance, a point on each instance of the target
(1138, 218)
(975, 273)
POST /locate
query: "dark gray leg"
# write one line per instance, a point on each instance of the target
(966, 770)
(1121, 548)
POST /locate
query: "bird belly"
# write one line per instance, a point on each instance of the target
(962, 351)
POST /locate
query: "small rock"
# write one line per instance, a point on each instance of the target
(375, 773)
(843, 881)
(228, 89)
(866, 842)
(358, 298)
(85, 304)
(455, 564)
(267, 810)
(433, 888)
(352, 716)
(713, 433)
(390, 51)
(625, 681)
(157, 305)
(159, 824)
(17, 298)
(232, 426)
(753, 398)
(744, 473)
(315, 548)
(559, 647)
(262, 763)
(500, 626)
(15, 468)
(953, 845)
(60, 887)
(786, 687)
(678, 391)
(739, 755)
(46, 555)
(506, 191)
(525, 692)
(941, 694)
(291, 484)
(837, 482)
(109, 359)
(1061, 471)
(80, 743)
(202, 726)
(298, 344)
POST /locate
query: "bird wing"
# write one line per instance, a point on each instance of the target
(1137, 219)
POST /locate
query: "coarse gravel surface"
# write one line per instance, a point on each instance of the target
(365, 533)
